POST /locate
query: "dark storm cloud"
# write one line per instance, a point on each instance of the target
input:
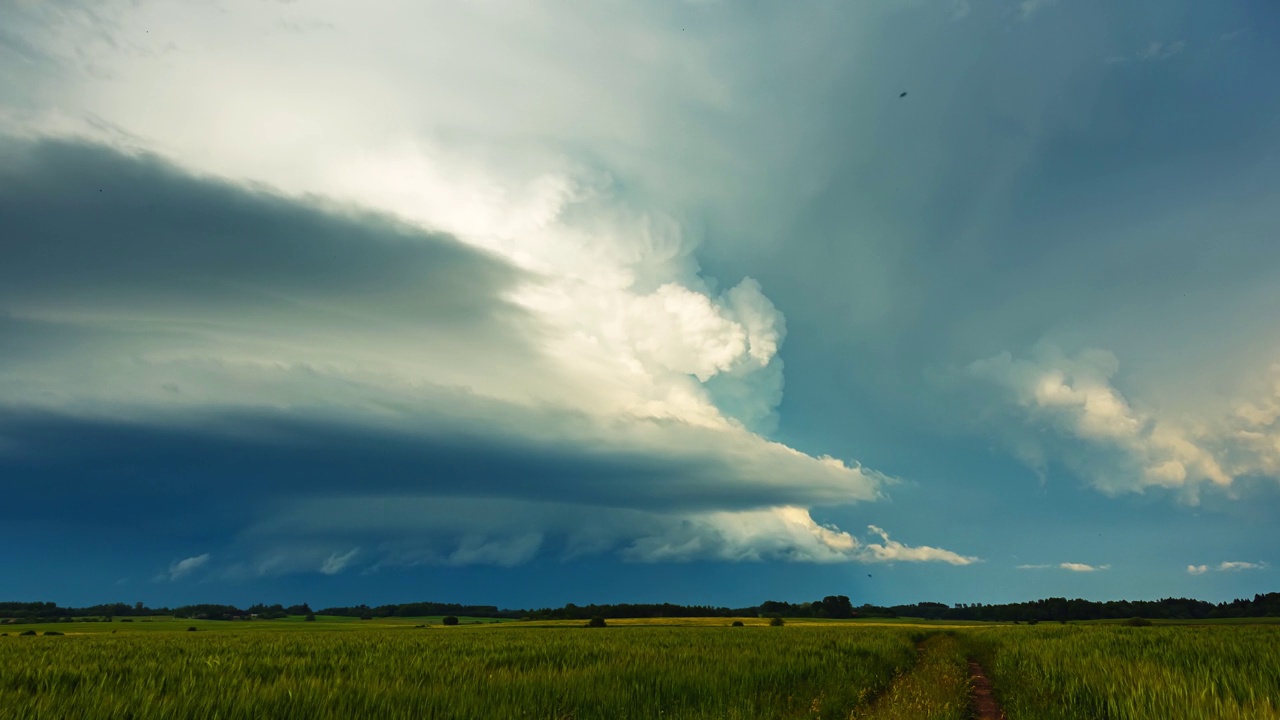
(188, 463)
(276, 492)
(189, 359)
(90, 228)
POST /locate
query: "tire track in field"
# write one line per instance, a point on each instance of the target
(983, 702)
(936, 687)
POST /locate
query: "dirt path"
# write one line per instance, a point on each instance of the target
(936, 686)
(985, 706)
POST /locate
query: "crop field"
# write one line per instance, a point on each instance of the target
(1189, 672)
(633, 669)
(461, 672)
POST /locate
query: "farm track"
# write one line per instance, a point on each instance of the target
(936, 687)
(983, 702)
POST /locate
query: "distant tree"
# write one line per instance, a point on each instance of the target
(311, 617)
(450, 620)
(52, 632)
(1137, 622)
(776, 621)
(269, 612)
(191, 629)
(596, 621)
(837, 606)
(737, 623)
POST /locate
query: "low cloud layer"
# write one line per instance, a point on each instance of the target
(413, 530)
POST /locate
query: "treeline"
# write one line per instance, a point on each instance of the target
(832, 606)
(625, 610)
(1064, 610)
(423, 609)
(837, 607)
(51, 611)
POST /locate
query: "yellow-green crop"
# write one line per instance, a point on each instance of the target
(483, 672)
(1223, 672)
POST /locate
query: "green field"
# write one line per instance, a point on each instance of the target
(700, 668)
(1188, 672)
(170, 624)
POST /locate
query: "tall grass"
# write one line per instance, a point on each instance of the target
(837, 672)
(937, 688)
(495, 672)
(1123, 673)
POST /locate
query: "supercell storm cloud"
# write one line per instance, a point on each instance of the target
(560, 300)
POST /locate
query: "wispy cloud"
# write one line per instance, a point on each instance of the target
(1027, 8)
(1241, 566)
(1225, 567)
(1154, 51)
(182, 568)
(336, 563)
(1072, 566)
(1082, 567)
(1161, 50)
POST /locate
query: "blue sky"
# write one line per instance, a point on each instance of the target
(546, 302)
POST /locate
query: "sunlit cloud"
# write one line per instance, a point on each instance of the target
(1132, 449)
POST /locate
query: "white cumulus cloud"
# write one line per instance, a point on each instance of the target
(889, 550)
(1132, 448)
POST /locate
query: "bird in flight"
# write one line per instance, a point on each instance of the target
(903, 94)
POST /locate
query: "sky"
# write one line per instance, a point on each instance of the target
(704, 301)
